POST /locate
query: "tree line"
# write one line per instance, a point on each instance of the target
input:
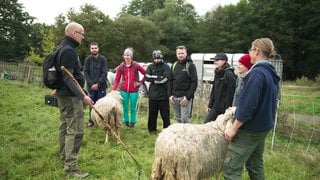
(145, 25)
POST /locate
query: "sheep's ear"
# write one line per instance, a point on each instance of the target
(231, 111)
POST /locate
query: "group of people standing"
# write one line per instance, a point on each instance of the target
(256, 88)
(177, 86)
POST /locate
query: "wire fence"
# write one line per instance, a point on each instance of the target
(294, 124)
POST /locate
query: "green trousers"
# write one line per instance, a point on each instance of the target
(129, 106)
(246, 148)
(70, 130)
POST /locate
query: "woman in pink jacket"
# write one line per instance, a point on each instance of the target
(128, 73)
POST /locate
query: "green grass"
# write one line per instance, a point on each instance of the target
(301, 99)
(29, 142)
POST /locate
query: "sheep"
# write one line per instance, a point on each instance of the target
(192, 151)
(110, 107)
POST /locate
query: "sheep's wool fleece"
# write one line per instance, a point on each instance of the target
(191, 151)
(110, 107)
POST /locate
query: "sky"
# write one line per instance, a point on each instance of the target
(46, 11)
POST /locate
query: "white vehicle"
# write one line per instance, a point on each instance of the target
(205, 66)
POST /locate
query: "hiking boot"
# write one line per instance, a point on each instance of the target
(127, 125)
(131, 125)
(77, 173)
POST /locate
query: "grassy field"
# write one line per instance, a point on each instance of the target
(29, 140)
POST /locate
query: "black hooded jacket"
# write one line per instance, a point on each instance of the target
(183, 82)
(157, 74)
(223, 88)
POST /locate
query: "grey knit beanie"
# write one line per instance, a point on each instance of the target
(128, 52)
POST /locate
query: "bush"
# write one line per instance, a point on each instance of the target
(303, 81)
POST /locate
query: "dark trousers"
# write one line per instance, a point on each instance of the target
(95, 96)
(154, 107)
(246, 148)
(70, 130)
(213, 114)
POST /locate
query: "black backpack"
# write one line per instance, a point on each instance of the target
(52, 74)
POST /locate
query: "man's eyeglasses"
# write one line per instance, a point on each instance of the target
(82, 34)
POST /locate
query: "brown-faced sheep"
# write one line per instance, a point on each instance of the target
(110, 107)
(192, 151)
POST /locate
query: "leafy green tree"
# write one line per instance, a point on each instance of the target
(98, 27)
(14, 31)
(311, 34)
(47, 44)
(294, 27)
(176, 21)
(213, 32)
(140, 34)
(143, 7)
(36, 37)
(303, 58)
(48, 40)
(34, 58)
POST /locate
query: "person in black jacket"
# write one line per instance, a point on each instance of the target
(183, 83)
(223, 87)
(157, 74)
(70, 101)
(95, 73)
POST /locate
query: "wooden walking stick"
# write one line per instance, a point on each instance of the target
(100, 115)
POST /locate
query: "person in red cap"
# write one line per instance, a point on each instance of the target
(244, 65)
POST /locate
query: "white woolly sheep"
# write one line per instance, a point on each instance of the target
(192, 151)
(110, 107)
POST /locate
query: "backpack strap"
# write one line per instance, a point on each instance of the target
(60, 49)
(134, 64)
(187, 67)
(225, 75)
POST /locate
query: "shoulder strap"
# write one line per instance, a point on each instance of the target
(136, 70)
(134, 64)
(187, 67)
(121, 68)
(60, 50)
(173, 66)
(225, 75)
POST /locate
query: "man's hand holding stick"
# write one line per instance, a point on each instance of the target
(87, 100)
